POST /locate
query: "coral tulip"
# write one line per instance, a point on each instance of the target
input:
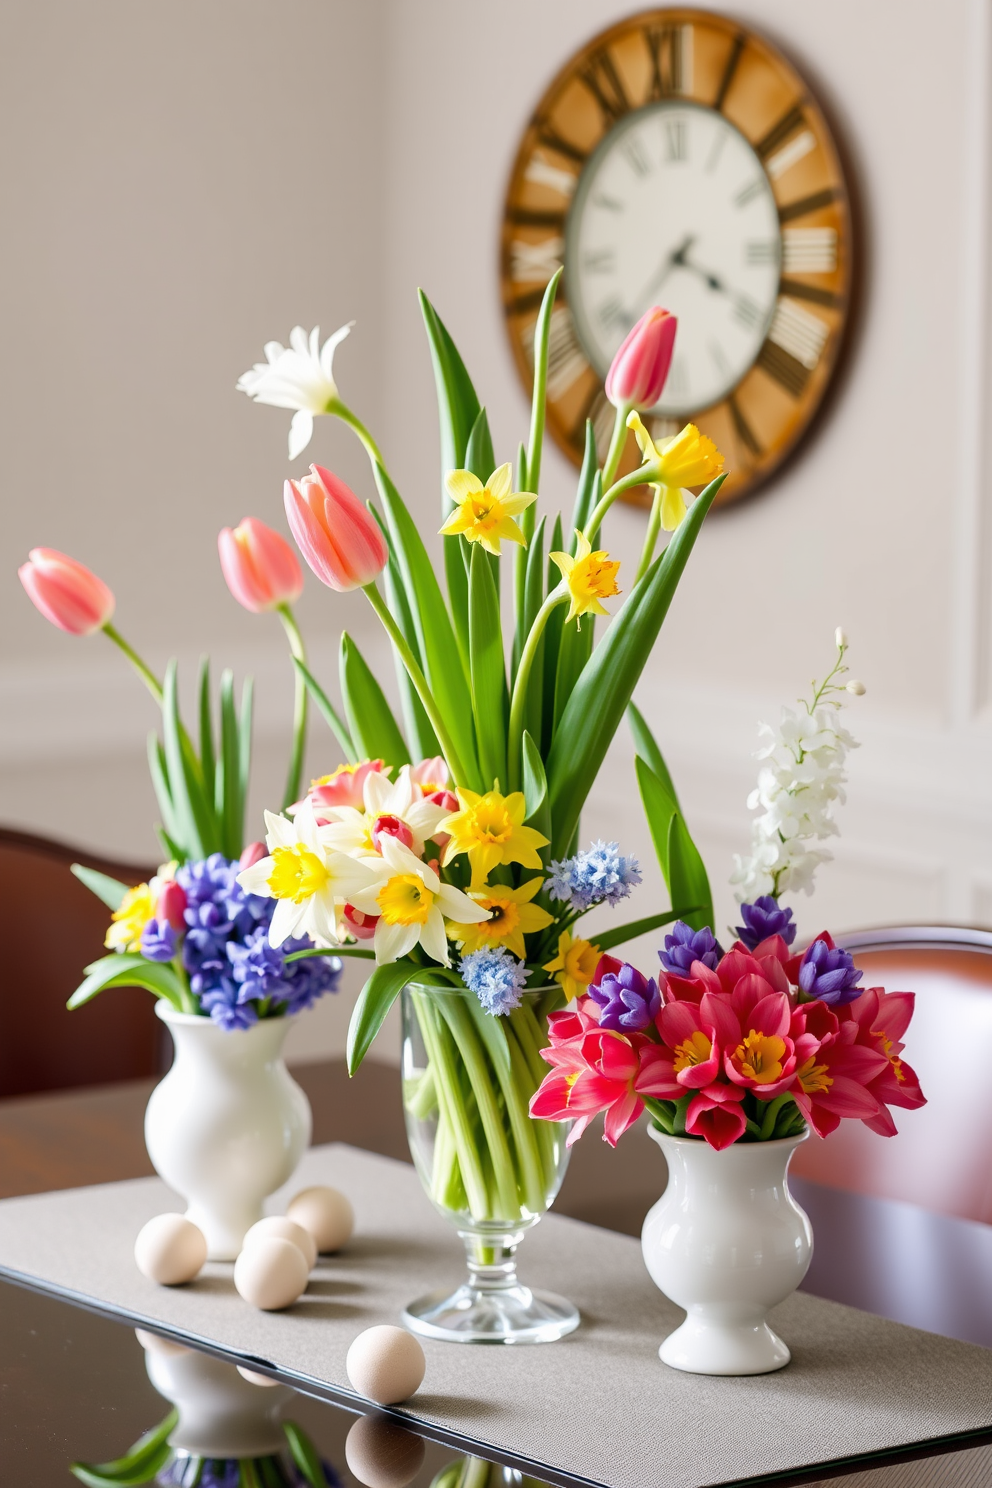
(337, 536)
(66, 592)
(637, 375)
(260, 567)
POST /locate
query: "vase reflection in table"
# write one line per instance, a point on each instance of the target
(485, 1164)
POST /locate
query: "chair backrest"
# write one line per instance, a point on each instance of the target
(940, 1159)
(51, 928)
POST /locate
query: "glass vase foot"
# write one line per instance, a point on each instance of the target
(473, 1314)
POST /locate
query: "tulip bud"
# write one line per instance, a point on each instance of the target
(259, 565)
(840, 636)
(253, 853)
(361, 925)
(66, 592)
(338, 537)
(858, 688)
(171, 904)
(605, 966)
(390, 826)
(637, 376)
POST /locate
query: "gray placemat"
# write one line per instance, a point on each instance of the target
(599, 1404)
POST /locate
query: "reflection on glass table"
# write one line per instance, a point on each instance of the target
(76, 1387)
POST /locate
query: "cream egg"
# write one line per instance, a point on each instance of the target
(271, 1273)
(254, 1378)
(381, 1454)
(386, 1364)
(170, 1249)
(154, 1343)
(288, 1229)
(326, 1213)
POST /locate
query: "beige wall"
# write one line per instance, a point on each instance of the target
(183, 181)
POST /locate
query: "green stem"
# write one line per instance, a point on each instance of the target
(344, 413)
(519, 700)
(449, 1101)
(771, 1115)
(419, 681)
(535, 442)
(650, 537)
(637, 477)
(188, 1003)
(481, 1081)
(618, 443)
(143, 670)
(296, 646)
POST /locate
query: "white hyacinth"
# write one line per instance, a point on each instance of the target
(801, 776)
(299, 376)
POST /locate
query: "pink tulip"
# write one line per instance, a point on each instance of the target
(66, 592)
(259, 565)
(253, 853)
(345, 786)
(637, 375)
(171, 904)
(337, 536)
(432, 776)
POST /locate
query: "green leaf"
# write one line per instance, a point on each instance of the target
(147, 1455)
(589, 488)
(145, 1472)
(372, 727)
(538, 812)
(688, 880)
(228, 786)
(377, 997)
(195, 822)
(489, 1027)
(618, 934)
(303, 1454)
(457, 403)
(419, 731)
(244, 760)
(160, 783)
(660, 807)
(542, 344)
(533, 600)
(604, 688)
(553, 632)
(487, 669)
(435, 637)
(479, 456)
(646, 747)
(326, 710)
(128, 970)
(110, 890)
(206, 728)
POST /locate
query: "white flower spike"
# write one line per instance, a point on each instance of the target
(301, 377)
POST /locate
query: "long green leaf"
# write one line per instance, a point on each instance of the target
(689, 882)
(457, 402)
(646, 747)
(542, 346)
(110, 890)
(129, 970)
(195, 821)
(487, 669)
(228, 788)
(619, 934)
(533, 600)
(479, 456)
(377, 997)
(435, 636)
(660, 807)
(206, 728)
(553, 632)
(327, 712)
(423, 740)
(604, 689)
(160, 783)
(147, 1449)
(538, 812)
(304, 1454)
(371, 724)
(588, 491)
(244, 759)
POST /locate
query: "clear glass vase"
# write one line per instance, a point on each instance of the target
(486, 1165)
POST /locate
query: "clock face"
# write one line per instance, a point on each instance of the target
(679, 160)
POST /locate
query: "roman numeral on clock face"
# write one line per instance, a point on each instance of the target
(676, 139)
(603, 82)
(535, 260)
(809, 250)
(671, 52)
(542, 172)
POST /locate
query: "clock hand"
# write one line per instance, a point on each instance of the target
(710, 278)
(673, 260)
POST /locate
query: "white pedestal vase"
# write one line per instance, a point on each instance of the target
(727, 1242)
(228, 1124)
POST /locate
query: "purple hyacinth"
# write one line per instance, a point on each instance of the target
(686, 945)
(763, 918)
(630, 1001)
(829, 973)
(158, 941)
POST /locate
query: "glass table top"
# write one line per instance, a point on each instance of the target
(85, 1397)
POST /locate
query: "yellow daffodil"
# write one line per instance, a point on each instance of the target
(130, 918)
(512, 916)
(484, 513)
(412, 905)
(590, 577)
(690, 459)
(490, 829)
(575, 964)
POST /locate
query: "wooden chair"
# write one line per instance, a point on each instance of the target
(51, 928)
(940, 1159)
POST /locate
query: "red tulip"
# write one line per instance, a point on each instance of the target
(66, 592)
(337, 536)
(259, 565)
(637, 375)
(171, 904)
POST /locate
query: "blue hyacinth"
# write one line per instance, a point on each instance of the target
(496, 978)
(597, 875)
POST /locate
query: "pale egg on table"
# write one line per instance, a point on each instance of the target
(287, 1229)
(271, 1273)
(386, 1364)
(170, 1250)
(327, 1214)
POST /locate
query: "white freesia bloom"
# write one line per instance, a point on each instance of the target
(801, 777)
(412, 905)
(300, 376)
(309, 879)
(350, 830)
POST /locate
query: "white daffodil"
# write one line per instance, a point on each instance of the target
(412, 905)
(392, 808)
(310, 881)
(299, 376)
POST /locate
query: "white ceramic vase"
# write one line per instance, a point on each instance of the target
(228, 1124)
(727, 1242)
(221, 1413)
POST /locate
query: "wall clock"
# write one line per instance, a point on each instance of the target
(679, 159)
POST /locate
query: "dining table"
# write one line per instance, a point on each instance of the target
(78, 1386)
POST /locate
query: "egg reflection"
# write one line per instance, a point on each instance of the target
(381, 1454)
